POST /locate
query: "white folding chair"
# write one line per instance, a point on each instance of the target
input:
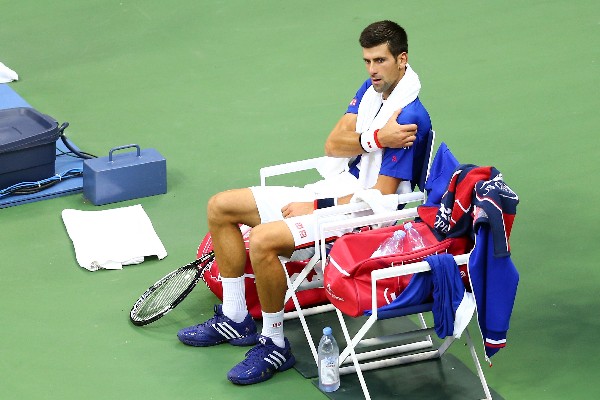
(393, 354)
(354, 353)
(326, 215)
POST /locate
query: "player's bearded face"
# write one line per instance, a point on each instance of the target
(384, 69)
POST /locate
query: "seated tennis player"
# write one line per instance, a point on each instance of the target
(373, 145)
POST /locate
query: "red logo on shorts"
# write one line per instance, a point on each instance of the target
(301, 230)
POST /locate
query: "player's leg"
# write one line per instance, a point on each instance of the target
(267, 243)
(225, 211)
(273, 353)
(260, 208)
(231, 322)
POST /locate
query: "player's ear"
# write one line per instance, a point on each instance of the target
(402, 60)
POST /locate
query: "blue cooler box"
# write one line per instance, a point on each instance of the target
(27, 146)
(124, 176)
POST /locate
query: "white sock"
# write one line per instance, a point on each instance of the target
(234, 298)
(273, 327)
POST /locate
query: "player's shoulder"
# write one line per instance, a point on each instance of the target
(415, 113)
(415, 106)
(414, 110)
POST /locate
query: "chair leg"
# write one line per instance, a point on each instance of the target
(292, 293)
(424, 326)
(350, 346)
(309, 311)
(355, 342)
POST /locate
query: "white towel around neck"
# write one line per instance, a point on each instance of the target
(373, 113)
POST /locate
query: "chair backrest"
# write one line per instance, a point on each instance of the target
(441, 169)
(422, 161)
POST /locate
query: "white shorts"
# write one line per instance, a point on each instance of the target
(271, 199)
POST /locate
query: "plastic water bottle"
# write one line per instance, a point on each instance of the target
(329, 362)
(393, 244)
(414, 240)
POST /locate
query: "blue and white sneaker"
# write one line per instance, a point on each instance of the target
(261, 363)
(220, 329)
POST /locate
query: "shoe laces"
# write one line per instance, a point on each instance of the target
(211, 321)
(261, 350)
(256, 353)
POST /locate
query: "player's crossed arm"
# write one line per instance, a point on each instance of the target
(343, 141)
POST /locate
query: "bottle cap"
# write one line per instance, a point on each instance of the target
(327, 331)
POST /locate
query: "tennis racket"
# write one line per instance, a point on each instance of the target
(169, 291)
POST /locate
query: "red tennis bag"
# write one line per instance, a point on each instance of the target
(212, 278)
(347, 274)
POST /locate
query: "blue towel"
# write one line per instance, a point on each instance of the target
(448, 293)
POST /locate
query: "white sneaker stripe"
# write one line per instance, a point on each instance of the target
(277, 360)
(276, 353)
(223, 333)
(229, 328)
(271, 362)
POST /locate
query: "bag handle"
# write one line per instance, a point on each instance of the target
(110, 153)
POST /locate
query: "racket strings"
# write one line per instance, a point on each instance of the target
(166, 293)
(169, 291)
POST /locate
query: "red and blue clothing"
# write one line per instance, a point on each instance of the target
(478, 203)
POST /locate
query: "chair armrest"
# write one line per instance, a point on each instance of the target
(363, 206)
(287, 168)
(327, 221)
(325, 225)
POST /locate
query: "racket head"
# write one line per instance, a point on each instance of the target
(168, 292)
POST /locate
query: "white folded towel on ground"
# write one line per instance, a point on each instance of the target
(109, 239)
(7, 74)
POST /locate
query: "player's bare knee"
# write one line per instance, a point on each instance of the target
(216, 208)
(266, 242)
(260, 245)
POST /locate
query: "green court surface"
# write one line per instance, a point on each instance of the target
(222, 88)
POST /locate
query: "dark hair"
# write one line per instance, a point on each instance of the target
(385, 32)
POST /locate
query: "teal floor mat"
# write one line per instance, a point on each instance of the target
(443, 379)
